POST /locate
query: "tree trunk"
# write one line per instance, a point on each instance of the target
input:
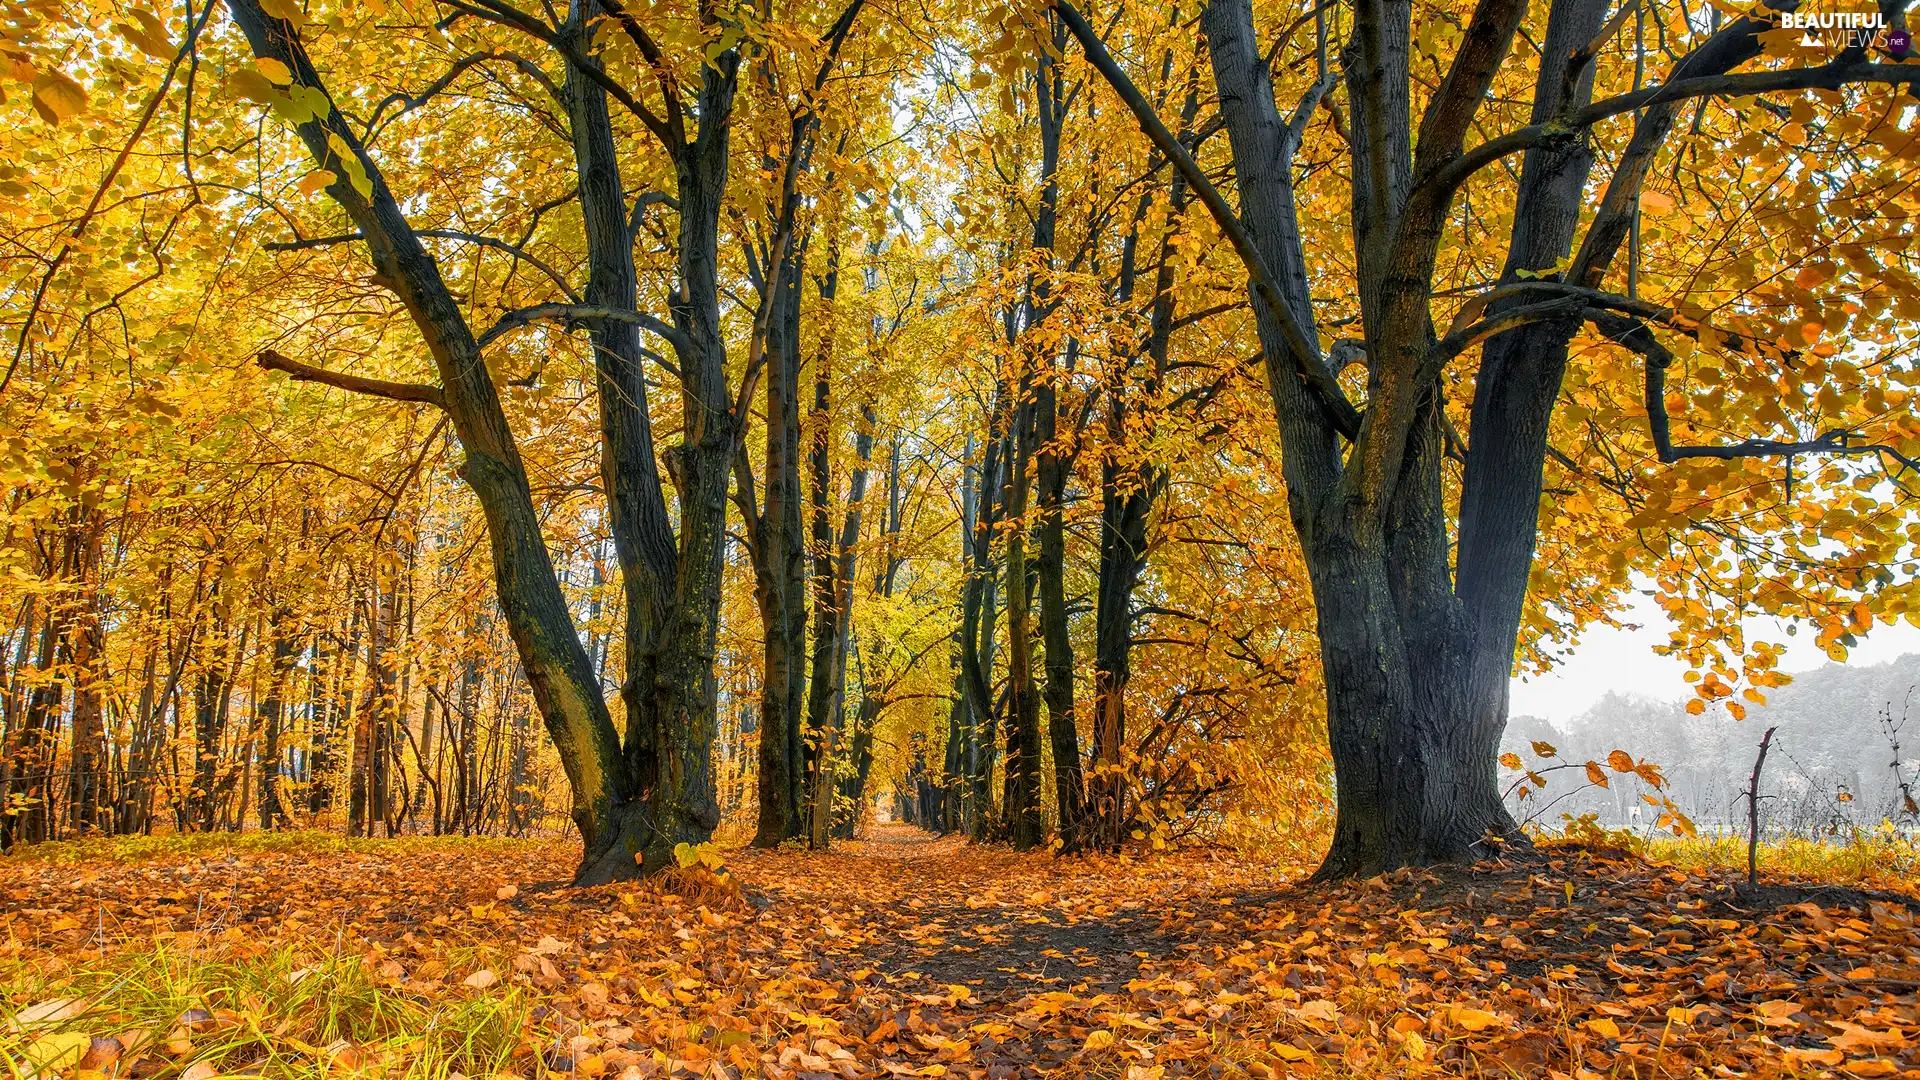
(89, 786)
(778, 549)
(834, 571)
(1025, 824)
(30, 743)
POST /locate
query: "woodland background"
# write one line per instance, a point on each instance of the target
(229, 599)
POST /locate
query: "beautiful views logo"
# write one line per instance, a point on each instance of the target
(1847, 30)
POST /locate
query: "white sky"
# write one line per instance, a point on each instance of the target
(1623, 660)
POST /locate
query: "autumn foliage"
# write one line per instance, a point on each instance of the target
(1151, 434)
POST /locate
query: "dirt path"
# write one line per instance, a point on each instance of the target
(936, 911)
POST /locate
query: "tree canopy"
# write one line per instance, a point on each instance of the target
(1079, 425)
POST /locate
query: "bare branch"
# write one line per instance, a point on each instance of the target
(1459, 341)
(395, 391)
(410, 102)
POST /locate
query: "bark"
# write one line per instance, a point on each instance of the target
(273, 711)
(1025, 824)
(210, 714)
(1417, 648)
(777, 546)
(1053, 466)
(834, 572)
(851, 793)
(1129, 491)
(89, 784)
(979, 632)
(25, 818)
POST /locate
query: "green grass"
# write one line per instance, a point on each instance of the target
(303, 841)
(276, 1015)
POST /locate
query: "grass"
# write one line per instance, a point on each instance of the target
(275, 1015)
(1866, 857)
(1882, 857)
(128, 849)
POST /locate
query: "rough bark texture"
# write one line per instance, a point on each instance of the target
(778, 548)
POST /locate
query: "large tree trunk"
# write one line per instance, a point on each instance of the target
(673, 597)
(778, 548)
(1055, 635)
(1394, 640)
(1053, 465)
(556, 664)
(978, 601)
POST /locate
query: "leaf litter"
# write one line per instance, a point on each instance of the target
(905, 955)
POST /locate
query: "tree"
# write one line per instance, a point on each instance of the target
(1418, 626)
(634, 798)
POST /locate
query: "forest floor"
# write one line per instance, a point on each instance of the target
(906, 955)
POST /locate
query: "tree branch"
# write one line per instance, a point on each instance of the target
(1340, 412)
(527, 316)
(1634, 334)
(676, 124)
(1459, 341)
(515, 250)
(1824, 77)
(395, 391)
(410, 102)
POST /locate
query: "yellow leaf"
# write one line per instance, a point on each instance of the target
(277, 73)
(1812, 275)
(1472, 1019)
(57, 1052)
(1621, 761)
(1544, 749)
(1509, 761)
(481, 979)
(1655, 202)
(1098, 1039)
(1603, 1027)
(312, 184)
(1596, 774)
(1290, 1052)
(58, 98)
(1416, 1047)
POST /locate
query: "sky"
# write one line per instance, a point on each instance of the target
(1623, 660)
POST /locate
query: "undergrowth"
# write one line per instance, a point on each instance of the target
(1880, 858)
(280, 1014)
